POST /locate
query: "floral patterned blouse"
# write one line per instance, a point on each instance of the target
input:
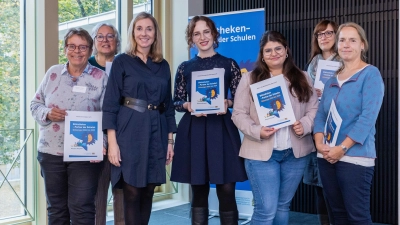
(59, 90)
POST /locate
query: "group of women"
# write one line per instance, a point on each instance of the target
(139, 123)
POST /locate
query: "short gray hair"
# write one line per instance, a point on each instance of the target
(116, 33)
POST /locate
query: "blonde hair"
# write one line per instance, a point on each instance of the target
(156, 48)
(363, 38)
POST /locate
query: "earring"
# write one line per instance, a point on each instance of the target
(287, 55)
(262, 60)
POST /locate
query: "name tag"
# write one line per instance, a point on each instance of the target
(79, 89)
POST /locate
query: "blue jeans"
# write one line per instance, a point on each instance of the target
(274, 183)
(70, 189)
(348, 189)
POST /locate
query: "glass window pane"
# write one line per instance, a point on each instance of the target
(142, 6)
(12, 179)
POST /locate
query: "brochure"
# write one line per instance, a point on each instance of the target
(208, 91)
(273, 105)
(325, 70)
(332, 126)
(83, 137)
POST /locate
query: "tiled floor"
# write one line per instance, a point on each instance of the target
(179, 215)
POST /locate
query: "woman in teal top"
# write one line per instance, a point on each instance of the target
(107, 44)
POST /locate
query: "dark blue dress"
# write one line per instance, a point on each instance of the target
(142, 137)
(206, 148)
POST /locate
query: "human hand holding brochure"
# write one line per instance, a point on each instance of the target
(273, 105)
(208, 91)
(83, 136)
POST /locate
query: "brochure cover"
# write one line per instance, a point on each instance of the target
(83, 137)
(271, 98)
(326, 69)
(332, 125)
(208, 91)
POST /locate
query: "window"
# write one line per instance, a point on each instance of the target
(87, 13)
(14, 138)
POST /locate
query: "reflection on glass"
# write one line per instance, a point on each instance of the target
(87, 13)
(11, 179)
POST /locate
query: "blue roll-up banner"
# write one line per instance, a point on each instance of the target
(240, 34)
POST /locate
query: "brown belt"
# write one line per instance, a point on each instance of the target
(141, 105)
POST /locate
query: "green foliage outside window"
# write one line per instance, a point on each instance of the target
(9, 77)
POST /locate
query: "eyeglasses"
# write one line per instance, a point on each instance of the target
(81, 48)
(327, 34)
(196, 36)
(278, 50)
(102, 38)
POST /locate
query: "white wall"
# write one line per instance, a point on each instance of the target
(178, 52)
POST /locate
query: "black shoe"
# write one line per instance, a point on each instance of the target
(323, 219)
(229, 218)
(199, 216)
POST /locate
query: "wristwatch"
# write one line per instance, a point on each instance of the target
(344, 148)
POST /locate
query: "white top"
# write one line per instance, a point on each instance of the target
(282, 139)
(342, 81)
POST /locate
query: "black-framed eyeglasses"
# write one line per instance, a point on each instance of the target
(102, 38)
(82, 48)
(327, 34)
(277, 49)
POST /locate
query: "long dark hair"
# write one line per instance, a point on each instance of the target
(296, 77)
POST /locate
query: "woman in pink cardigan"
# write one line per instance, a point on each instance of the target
(275, 158)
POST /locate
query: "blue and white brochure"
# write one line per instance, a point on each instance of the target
(83, 137)
(273, 105)
(325, 70)
(332, 126)
(208, 91)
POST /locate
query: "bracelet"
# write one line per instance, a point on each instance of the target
(171, 141)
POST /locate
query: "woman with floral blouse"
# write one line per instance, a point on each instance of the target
(76, 86)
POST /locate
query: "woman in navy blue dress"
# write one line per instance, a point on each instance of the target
(139, 117)
(207, 146)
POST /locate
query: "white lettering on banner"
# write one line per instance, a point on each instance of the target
(232, 29)
(245, 37)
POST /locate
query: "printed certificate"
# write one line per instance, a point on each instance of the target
(273, 105)
(325, 70)
(208, 91)
(332, 125)
(83, 137)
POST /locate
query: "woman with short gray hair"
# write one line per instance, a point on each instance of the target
(106, 45)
